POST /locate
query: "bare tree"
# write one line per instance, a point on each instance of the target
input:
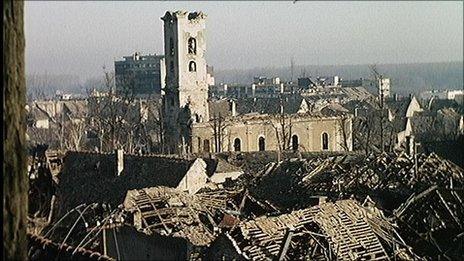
(219, 125)
(342, 122)
(109, 113)
(122, 121)
(74, 130)
(282, 128)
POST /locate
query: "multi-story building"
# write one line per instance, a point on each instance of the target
(261, 80)
(140, 74)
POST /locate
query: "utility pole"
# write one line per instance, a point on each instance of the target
(379, 78)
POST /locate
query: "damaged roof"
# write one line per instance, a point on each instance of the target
(437, 215)
(394, 174)
(290, 104)
(219, 165)
(168, 211)
(343, 230)
(89, 177)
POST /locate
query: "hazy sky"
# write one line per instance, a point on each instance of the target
(80, 37)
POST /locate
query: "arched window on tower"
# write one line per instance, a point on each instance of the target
(192, 45)
(325, 141)
(237, 144)
(261, 144)
(192, 66)
(295, 142)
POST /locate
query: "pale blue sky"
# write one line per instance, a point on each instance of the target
(79, 37)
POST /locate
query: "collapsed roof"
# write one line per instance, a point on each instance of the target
(390, 177)
(343, 230)
(88, 177)
(168, 211)
(433, 220)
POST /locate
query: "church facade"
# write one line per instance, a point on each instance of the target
(189, 127)
(298, 132)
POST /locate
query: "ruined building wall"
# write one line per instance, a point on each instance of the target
(308, 130)
(186, 90)
(195, 178)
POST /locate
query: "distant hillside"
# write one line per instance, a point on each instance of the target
(45, 86)
(406, 78)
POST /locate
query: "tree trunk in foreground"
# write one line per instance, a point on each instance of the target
(15, 180)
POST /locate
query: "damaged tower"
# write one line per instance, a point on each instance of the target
(186, 92)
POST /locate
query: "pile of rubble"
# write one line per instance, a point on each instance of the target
(391, 178)
(433, 222)
(343, 230)
(299, 208)
(168, 211)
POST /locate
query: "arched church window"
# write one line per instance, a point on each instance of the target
(325, 141)
(261, 144)
(192, 45)
(192, 66)
(295, 142)
(206, 145)
(237, 144)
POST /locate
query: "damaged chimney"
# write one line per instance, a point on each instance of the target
(119, 161)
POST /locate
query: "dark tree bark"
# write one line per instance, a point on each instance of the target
(15, 180)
